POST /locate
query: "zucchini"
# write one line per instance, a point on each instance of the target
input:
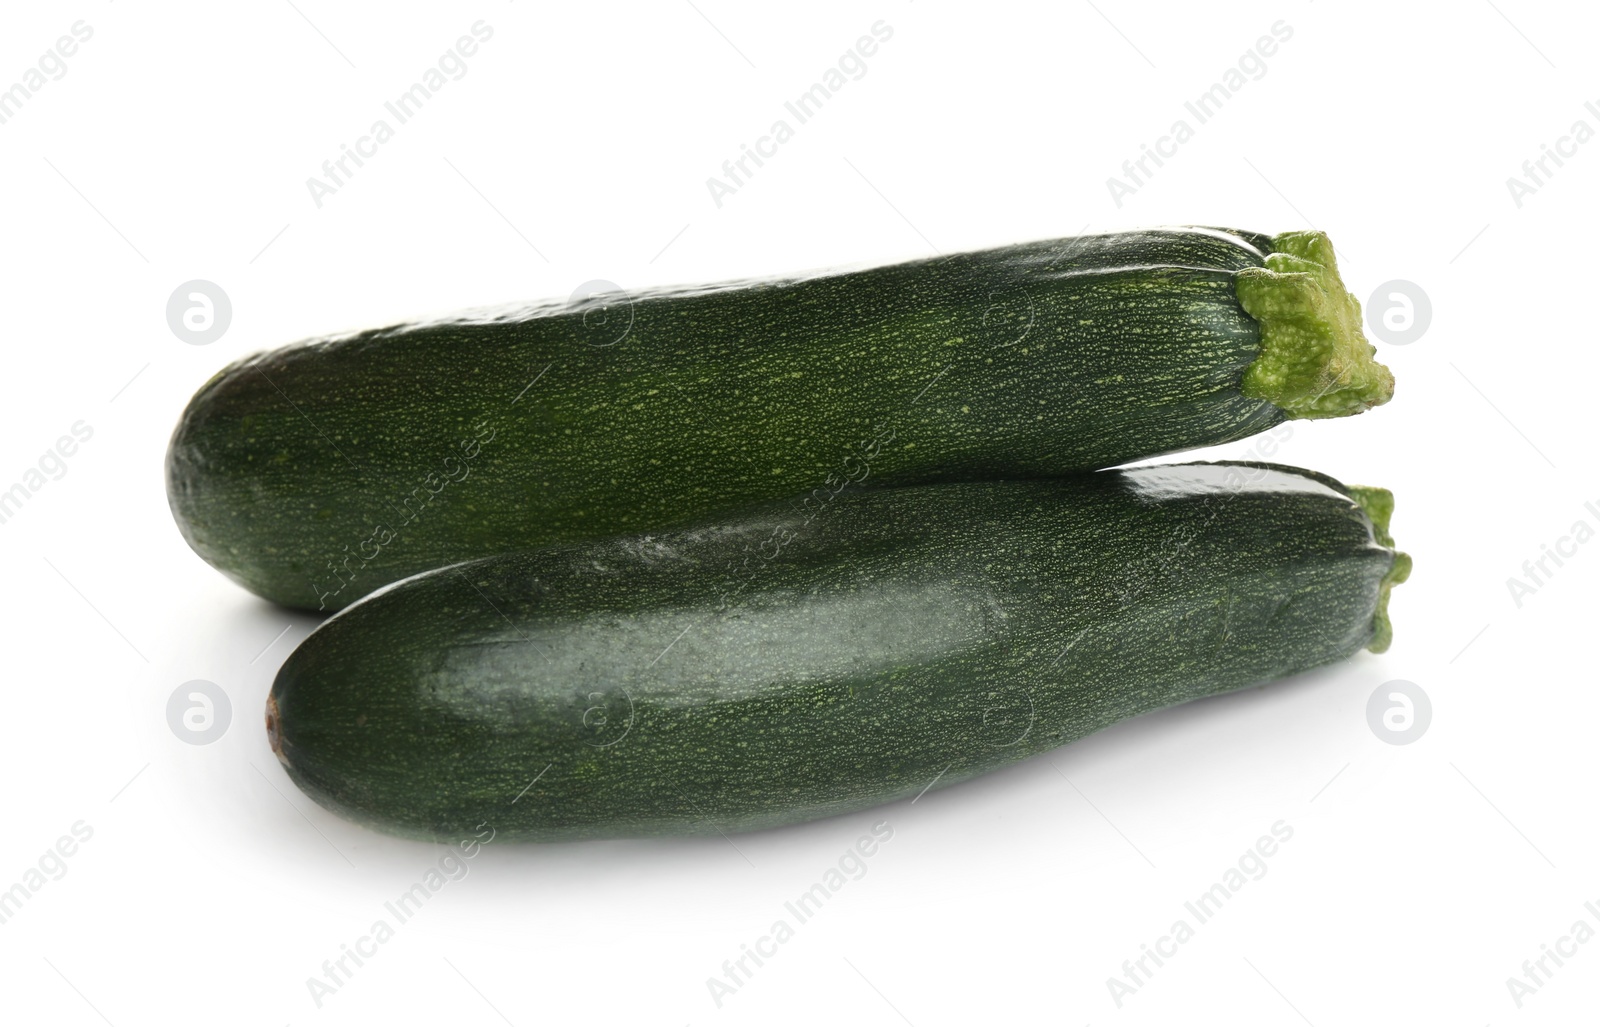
(793, 663)
(316, 473)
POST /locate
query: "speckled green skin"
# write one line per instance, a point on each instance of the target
(787, 665)
(316, 473)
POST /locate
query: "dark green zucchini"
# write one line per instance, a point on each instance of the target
(316, 473)
(797, 662)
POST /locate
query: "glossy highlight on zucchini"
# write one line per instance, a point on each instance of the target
(792, 663)
(316, 473)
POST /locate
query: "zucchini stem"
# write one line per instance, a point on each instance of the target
(1314, 360)
(1378, 505)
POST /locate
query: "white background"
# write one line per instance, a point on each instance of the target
(578, 145)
